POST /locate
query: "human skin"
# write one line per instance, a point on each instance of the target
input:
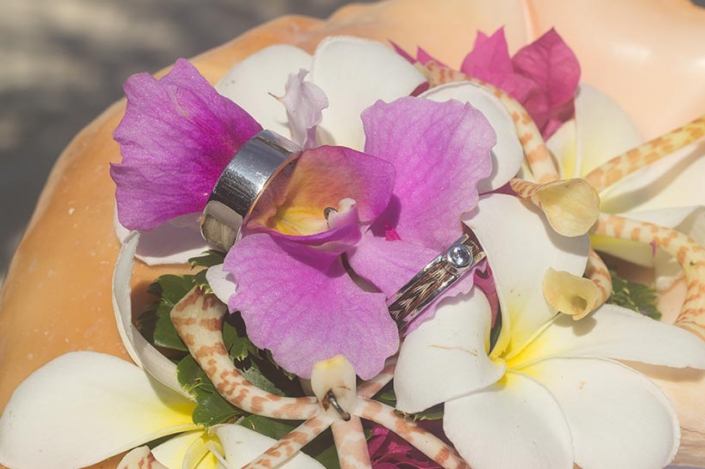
(57, 295)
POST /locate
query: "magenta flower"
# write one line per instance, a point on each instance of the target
(308, 307)
(390, 451)
(177, 136)
(340, 217)
(543, 76)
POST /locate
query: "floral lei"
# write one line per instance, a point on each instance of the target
(246, 362)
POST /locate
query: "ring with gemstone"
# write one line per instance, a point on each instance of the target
(434, 279)
(241, 185)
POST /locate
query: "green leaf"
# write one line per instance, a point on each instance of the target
(635, 296)
(155, 323)
(211, 407)
(238, 344)
(207, 259)
(387, 396)
(255, 376)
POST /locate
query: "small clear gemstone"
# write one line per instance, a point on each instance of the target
(459, 256)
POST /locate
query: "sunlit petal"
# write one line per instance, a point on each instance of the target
(86, 397)
(507, 154)
(221, 282)
(186, 451)
(513, 423)
(618, 333)
(618, 418)
(446, 357)
(520, 247)
(256, 83)
(354, 73)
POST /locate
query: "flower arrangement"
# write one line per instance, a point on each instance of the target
(248, 362)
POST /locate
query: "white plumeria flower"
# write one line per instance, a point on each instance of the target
(84, 407)
(352, 73)
(668, 192)
(550, 393)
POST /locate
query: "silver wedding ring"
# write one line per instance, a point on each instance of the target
(432, 280)
(242, 184)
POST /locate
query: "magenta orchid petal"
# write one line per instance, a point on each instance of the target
(489, 55)
(440, 152)
(304, 307)
(304, 103)
(553, 66)
(177, 136)
(405, 55)
(388, 265)
(424, 57)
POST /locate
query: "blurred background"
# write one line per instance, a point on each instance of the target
(63, 61)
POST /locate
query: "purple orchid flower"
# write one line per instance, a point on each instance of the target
(311, 307)
(330, 242)
(543, 76)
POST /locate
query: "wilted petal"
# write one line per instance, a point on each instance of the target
(507, 154)
(304, 103)
(513, 423)
(618, 418)
(242, 445)
(446, 357)
(440, 151)
(142, 352)
(570, 294)
(177, 136)
(620, 334)
(520, 247)
(257, 82)
(303, 306)
(354, 73)
(84, 407)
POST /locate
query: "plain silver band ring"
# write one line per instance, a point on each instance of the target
(241, 185)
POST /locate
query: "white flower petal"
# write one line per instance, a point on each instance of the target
(354, 73)
(620, 334)
(687, 220)
(255, 84)
(84, 407)
(141, 351)
(604, 130)
(507, 154)
(515, 423)
(243, 445)
(186, 451)
(618, 418)
(221, 282)
(672, 181)
(174, 242)
(446, 356)
(520, 247)
(138, 457)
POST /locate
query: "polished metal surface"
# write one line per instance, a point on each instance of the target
(242, 184)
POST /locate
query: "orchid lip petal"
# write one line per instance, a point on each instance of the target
(87, 397)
